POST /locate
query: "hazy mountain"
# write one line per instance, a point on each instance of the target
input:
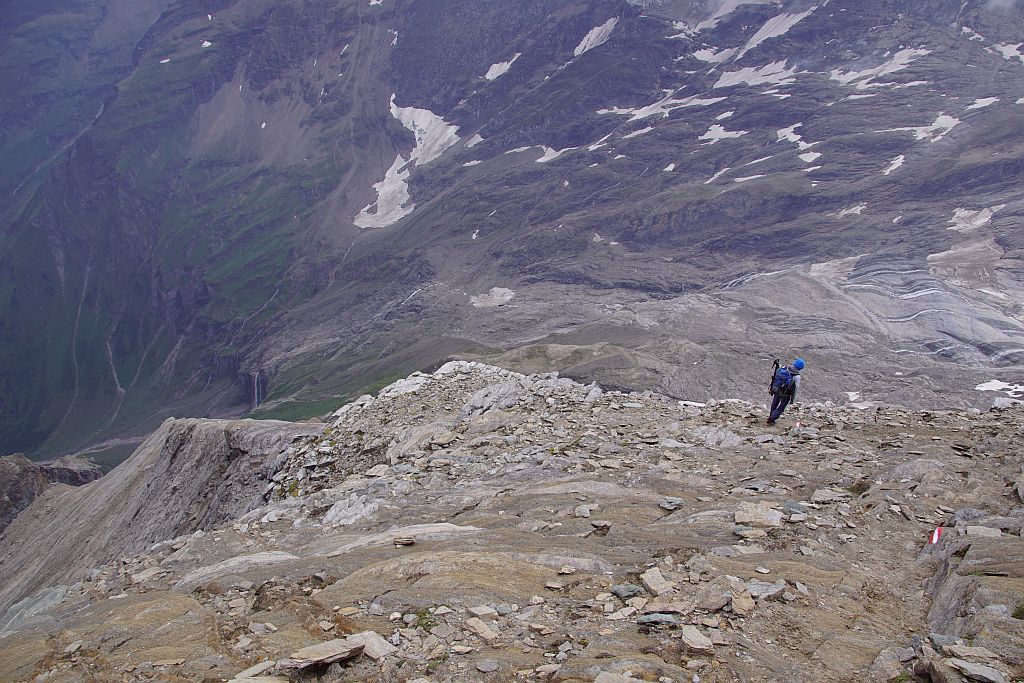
(218, 205)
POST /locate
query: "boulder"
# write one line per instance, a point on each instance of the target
(977, 672)
(654, 582)
(374, 645)
(695, 641)
(763, 515)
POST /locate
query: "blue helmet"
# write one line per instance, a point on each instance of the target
(799, 364)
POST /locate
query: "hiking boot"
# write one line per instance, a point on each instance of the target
(771, 422)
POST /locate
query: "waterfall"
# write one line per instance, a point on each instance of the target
(256, 393)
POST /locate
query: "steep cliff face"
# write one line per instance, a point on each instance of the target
(277, 204)
(188, 475)
(22, 481)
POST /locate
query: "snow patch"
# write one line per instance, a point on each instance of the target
(475, 162)
(474, 141)
(749, 177)
(433, 137)
(476, 234)
(1014, 390)
(636, 133)
(716, 176)
(775, 73)
(936, 131)
(669, 168)
(965, 220)
(790, 135)
(600, 143)
(725, 7)
(853, 210)
(662, 107)
(501, 68)
(971, 34)
(164, 61)
(207, 43)
(894, 164)
(552, 154)
(392, 203)
(713, 56)
(716, 133)
(983, 102)
(724, 115)
(498, 296)
(774, 28)
(598, 36)
(866, 79)
(1010, 51)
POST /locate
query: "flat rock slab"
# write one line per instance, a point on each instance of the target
(694, 640)
(653, 581)
(608, 677)
(977, 672)
(234, 565)
(488, 666)
(332, 651)
(374, 645)
(762, 515)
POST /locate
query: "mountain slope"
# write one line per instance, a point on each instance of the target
(284, 203)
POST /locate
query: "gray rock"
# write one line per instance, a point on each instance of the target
(657, 619)
(941, 640)
(608, 677)
(762, 515)
(374, 646)
(830, 496)
(671, 504)
(791, 507)
(695, 641)
(322, 653)
(487, 666)
(626, 591)
(654, 582)
(717, 437)
(764, 590)
(977, 672)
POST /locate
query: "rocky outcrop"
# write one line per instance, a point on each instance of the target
(476, 524)
(188, 476)
(22, 481)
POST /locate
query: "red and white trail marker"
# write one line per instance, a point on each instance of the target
(936, 535)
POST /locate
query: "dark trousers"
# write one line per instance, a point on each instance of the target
(779, 403)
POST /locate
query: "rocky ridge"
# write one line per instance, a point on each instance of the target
(22, 480)
(476, 524)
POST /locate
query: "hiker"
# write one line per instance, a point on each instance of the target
(785, 382)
